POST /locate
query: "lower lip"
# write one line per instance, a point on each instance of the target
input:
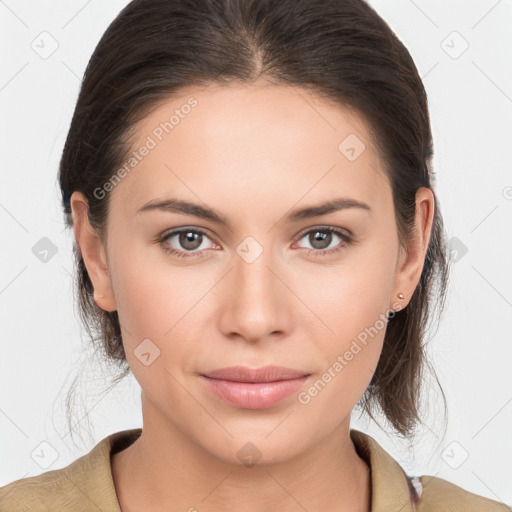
(258, 395)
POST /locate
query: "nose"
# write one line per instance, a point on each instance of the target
(257, 300)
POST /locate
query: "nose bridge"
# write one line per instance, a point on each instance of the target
(256, 297)
(253, 268)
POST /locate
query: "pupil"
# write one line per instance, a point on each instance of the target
(322, 236)
(188, 238)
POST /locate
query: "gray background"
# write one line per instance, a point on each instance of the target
(461, 49)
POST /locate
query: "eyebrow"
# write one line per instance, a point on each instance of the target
(187, 208)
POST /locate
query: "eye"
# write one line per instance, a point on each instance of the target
(322, 237)
(190, 239)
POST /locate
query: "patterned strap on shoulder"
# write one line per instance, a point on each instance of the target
(416, 489)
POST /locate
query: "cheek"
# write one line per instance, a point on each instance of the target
(349, 354)
(160, 302)
(145, 298)
(148, 295)
(350, 303)
(352, 294)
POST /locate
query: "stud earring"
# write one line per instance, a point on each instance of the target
(400, 297)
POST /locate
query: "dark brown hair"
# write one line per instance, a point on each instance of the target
(339, 49)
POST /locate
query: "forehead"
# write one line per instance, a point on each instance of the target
(255, 140)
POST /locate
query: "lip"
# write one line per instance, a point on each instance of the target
(254, 389)
(265, 374)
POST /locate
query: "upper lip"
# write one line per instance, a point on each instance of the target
(264, 374)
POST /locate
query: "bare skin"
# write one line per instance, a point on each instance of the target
(253, 154)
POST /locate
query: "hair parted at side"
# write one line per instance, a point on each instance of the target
(339, 49)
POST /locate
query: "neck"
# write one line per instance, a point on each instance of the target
(165, 470)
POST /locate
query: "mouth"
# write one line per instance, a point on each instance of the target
(262, 388)
(258, 375)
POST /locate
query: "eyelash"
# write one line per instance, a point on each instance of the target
(346, 240)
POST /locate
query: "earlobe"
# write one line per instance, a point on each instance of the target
(93, 253)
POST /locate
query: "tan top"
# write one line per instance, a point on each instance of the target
(86, 485)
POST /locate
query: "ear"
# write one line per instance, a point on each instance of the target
(412, 260)
(93, 252)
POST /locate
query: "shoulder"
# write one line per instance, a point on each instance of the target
(440, 495)
(393, 489)
(40, 493)
(84, 485)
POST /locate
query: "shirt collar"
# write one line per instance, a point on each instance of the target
(390, 489)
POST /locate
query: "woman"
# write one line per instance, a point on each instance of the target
(258, 240)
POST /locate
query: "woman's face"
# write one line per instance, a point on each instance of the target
(270, 286)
